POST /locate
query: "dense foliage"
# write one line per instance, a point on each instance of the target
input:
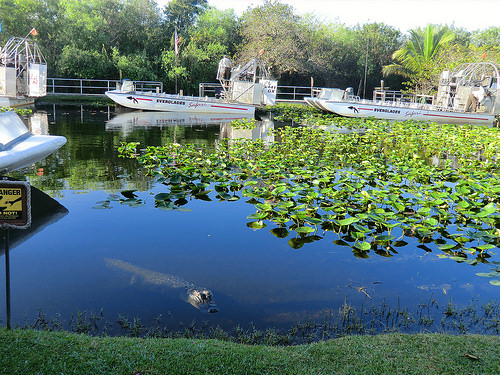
(109, 39)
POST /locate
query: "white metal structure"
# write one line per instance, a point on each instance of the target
(248, 84)
(23, 69)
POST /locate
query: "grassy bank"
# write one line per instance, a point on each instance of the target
(39, 352)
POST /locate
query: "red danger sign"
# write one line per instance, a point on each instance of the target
(15, 204)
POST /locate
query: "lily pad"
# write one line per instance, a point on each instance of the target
(257, 216)
(304, 230)
(162, 196)
(363, 246)
(256, 224)
(385, 238)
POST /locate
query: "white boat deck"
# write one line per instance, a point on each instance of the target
(20, 148)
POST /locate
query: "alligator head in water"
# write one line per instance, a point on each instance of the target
(201, 298)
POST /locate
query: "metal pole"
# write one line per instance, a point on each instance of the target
(366, 68)
(176, 47)
(7, 276)
(176, 74)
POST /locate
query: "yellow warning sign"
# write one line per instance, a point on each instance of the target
(14, 204)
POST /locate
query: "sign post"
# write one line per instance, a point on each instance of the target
(7, 277)
(15, 212)
(15, 204)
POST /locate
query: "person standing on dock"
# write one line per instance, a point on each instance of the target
(224, 72)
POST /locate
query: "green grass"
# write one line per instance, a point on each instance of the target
(40, 352)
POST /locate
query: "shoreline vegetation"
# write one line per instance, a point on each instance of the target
(368, 318)
(41, 352)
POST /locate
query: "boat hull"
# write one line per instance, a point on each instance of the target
(313, 102)
(418, 113)
(28, 151)
(176, 103)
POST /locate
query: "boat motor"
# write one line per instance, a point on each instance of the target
(127, 86)
(349, 92)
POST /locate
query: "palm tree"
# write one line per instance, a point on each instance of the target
(417, 55)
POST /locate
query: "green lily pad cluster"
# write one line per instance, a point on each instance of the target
(300, 114)
(374, 183)
(244, 123)
(19, 111)
(127, 198)
(494, 274)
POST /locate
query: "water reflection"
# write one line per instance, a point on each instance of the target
(38, 123)
(261, 130)
(128, 121)
(44, 212)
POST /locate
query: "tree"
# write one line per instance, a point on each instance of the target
(18, 17)
(204, 43)
(124, 35)
(140, 29)
(216, 26)
(375, 44)
(415, 60)
(275, 28)
(486, 38)
(135, 66)
(183, 13)
(76, 63)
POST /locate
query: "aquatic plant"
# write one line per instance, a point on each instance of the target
(372, 183)
(19, 111)
(347, 319)
(243, 123)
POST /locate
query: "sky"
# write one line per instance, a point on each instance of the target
(401, 14)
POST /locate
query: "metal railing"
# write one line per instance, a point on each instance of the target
(284, 93)
(97, 87)
(295, 93)
(94, 87)
(400, 97)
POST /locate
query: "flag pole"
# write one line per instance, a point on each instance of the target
(32, 32)
(176, 46)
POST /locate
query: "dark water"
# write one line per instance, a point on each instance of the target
(254, 276)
